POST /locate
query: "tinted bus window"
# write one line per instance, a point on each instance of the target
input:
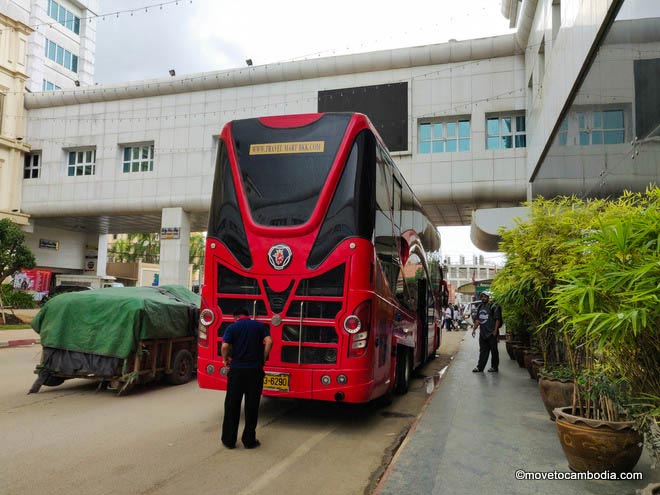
(351, 212)
(225, 221)
(284, 169)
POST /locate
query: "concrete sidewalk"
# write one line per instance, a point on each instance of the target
(480, 428)
(13, 338)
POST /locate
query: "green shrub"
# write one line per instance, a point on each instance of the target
(16, 299)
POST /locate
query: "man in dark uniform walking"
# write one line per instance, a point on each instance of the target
(246, 345)
(488, 320)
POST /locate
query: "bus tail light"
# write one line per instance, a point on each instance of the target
(206, 319)
(358, 325)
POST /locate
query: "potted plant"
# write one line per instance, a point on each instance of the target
(607, 307)
(557, 388)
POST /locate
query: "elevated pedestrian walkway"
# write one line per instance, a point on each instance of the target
(479, 429)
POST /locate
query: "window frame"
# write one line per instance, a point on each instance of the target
(515, 134)
(574, 132)
(30, 167)
(63, 16)
(452, 130)
(86, 167)
(129, 165)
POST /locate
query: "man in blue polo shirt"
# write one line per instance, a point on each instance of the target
(246, 345)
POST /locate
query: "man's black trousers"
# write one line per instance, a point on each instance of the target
(248, 382)
(487, 346)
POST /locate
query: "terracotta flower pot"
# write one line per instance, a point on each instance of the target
(519, 351)
(597, 446)
(528, 357)
(555, 393)
(509, 348)
(537, 364)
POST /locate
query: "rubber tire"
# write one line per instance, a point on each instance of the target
(403, 371)
(182, 368)
(54, 381)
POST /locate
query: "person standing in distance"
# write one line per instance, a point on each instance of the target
(488, 321)
(246, 345)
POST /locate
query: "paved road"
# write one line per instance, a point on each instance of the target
(165, 440)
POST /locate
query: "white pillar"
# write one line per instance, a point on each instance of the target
(102, 255)
(174, 247)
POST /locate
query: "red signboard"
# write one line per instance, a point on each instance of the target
(34, 281)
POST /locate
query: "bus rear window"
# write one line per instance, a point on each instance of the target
(283, 170)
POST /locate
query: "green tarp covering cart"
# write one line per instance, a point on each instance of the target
(120, 336)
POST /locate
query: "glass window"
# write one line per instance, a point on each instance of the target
(62, 16)
(53, 8)
(60, 55)
(69, 20)
(74, 63)
(52, 48)
(138, 159)
(67, 58)
(81, 162)
(607, 127)
(440, 137)
(76, 25)
(31, 167)
(506, 132)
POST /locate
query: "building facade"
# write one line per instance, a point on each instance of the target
(566, 105)
(14, 34)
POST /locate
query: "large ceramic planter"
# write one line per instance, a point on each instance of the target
(652, 489)
(555, 393)
(528, 357)
(597, 446)
(519, 351)
(509, 348)
(537, 364)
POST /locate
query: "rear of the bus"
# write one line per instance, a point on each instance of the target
(289, 240)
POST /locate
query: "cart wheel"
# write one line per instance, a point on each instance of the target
(53, 381)
(182, 368)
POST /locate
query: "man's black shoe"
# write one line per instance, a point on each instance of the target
(228, 446)
(492, 370)
(254, 445)
(476, 370)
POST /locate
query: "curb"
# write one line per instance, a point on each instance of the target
(19, 342)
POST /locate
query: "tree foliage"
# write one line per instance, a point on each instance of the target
(14, 253)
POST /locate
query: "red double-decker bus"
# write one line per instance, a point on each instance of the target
(314, 230)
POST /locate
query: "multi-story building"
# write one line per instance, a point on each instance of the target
(464, 273)
(14, 35)
(62, 46)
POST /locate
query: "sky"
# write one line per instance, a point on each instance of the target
(143, 39)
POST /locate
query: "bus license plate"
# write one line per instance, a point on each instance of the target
(276, 381)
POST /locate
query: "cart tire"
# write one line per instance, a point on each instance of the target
(182, 368)
(54, 381)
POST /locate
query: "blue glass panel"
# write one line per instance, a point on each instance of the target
(521, 141)
(71, 171)
(506, 125)
(581, 120)
(76, 25)
(507, 142)
(451, 129)
(614, 137)
(425, 131)
(53, 8)
(61, 17)
(69, 20)
(564, 125)
(493, 143)
(127, 167)
(425, 147)
(597, 137)
(493, 127)
(584, 138)
(60, 55)
(74, 63)
(613, 119)
(521, 124)
(67, 58)
(72, 157)
(52, 48)
(43, 86)
(437, 130)
(450, 145)
(127, 154)
(598, 121)
(563, 139)
(464, 128)
(464, 145)
(438, 146)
